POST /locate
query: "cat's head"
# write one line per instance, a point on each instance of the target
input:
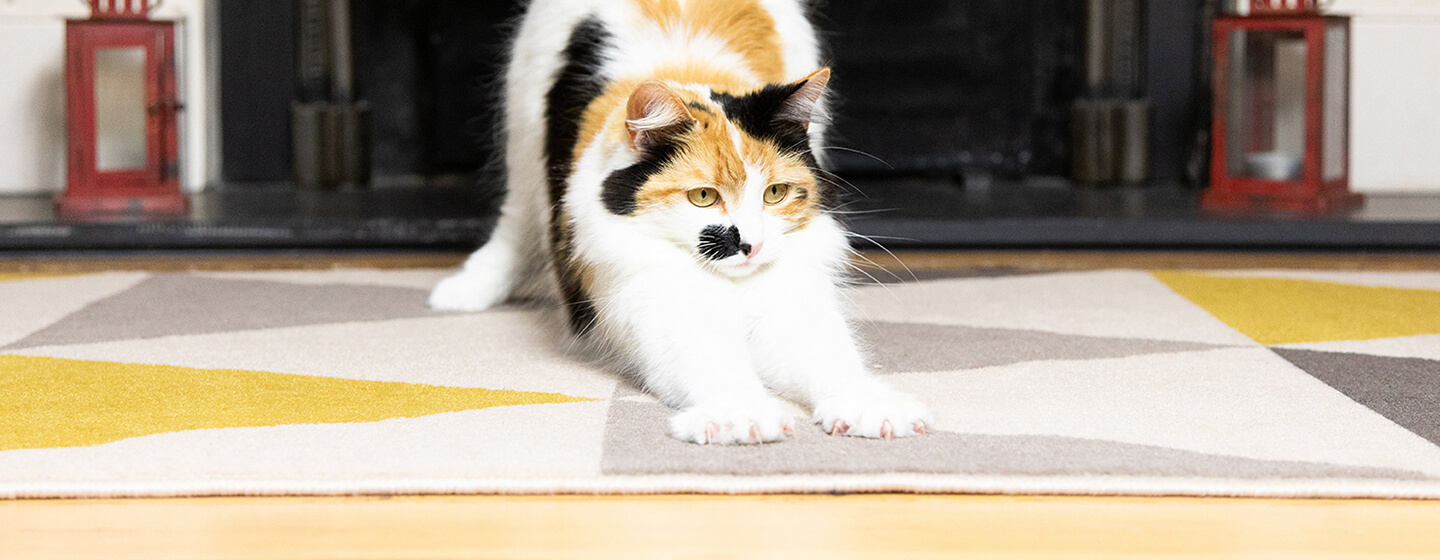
(728, 176)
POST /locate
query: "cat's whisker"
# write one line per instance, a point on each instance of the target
(866, 154)
(831, 178)
(861, 256)
(862, 212)
(868, 275)
(887, 251)
(856, 309)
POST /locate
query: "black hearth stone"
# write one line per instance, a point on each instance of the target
(898, 213)
(281, 218)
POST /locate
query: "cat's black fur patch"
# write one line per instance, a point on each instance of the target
(618, 190)
(578, 306)
(578, 83)
(755, 112)
(718, 242)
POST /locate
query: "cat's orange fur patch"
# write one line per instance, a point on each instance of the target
(744, 25)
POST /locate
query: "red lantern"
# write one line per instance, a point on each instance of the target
(1281, 114)
(122, 111)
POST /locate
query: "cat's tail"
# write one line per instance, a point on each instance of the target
(511, 258)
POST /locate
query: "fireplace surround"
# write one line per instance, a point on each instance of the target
(968, 108)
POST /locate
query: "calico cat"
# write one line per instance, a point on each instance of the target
(664, 154)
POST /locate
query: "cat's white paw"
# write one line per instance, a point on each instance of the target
(468, 291)
(885, 414)
(729, 423)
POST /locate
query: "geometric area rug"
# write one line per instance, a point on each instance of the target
(1113, 382)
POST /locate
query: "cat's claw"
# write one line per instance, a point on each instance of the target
(874, 414)
(729, 424)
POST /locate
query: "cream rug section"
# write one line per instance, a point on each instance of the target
(1116, 382)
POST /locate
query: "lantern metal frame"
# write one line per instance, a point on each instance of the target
(1311, 192)
(155, 187)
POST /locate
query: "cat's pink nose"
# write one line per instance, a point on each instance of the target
(753, 250)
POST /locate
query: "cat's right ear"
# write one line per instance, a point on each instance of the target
(800, 107)
(655, 115)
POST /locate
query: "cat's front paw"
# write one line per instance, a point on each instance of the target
(883, 414)
(733, 423)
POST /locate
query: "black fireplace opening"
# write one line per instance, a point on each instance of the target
(941, 88)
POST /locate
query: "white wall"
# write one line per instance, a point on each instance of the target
(1395, 95)
(32, 105)
(32, 92)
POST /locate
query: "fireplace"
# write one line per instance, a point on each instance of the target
(1054, 124)
(941, 88)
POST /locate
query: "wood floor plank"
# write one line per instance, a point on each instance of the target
(860, 526)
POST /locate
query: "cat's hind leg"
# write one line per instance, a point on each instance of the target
(511, 256)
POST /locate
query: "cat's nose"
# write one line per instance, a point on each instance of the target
(751, 250)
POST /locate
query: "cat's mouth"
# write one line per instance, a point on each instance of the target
(739, 265)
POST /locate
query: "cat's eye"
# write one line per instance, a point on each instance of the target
(704, 197)
(776, 193)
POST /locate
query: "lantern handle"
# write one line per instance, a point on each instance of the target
(155, 6)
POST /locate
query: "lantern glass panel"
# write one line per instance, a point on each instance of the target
(1265, 123)
(120, 139)
(1336, 121)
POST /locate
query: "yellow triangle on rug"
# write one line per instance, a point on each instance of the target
(55, 402)
(1284, 311)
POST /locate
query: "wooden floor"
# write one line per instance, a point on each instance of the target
(861, 526)
(884, 526)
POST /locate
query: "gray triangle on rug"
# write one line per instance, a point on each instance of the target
(184, 304)
(1405, 390)
(916, 347)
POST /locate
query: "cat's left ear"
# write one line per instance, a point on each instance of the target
(801, 106)
(655, 115)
